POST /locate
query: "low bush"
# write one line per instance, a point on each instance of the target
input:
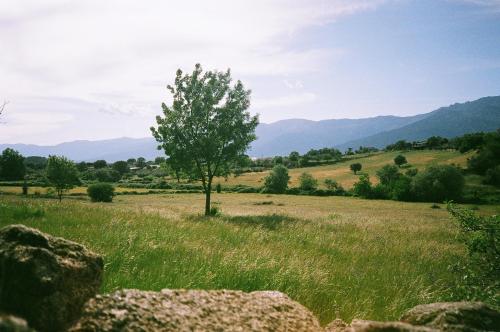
(481, 272)
(101, 192)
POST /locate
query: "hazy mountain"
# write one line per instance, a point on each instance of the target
(282, 137)
(455, 120)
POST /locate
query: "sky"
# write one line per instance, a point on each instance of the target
(98, 69)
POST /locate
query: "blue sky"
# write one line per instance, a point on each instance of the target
(98, 69)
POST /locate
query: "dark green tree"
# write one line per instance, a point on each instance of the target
(208, 127)
(356, 167)
(388, 174)
(307, 182)
(277, 180)
(141, 162)
(121, 167)
(100, 164)
(400, 160)
(12, 165)
(61, 174)
(438, 183)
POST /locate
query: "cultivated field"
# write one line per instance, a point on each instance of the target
(340, 257)
(341, 172)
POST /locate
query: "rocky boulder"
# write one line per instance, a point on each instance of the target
(45, 279)
(454, 316)
(195, 310)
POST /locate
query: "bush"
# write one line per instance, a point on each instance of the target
(356, 167)
(101, 192)
(379, 192)
(388, 174)
(307, 182)
(402, 189)
(481, 272)
(218, 188)
(439, 183)
(363, 187)
(331, 184)
(277, 181)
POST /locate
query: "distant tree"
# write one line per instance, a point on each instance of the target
(121, 167)
(349, 152)
(61, 174)
(278, 160)
(159, 160)
(131, 161)
(488, 155)
(106, 175)
(400, 145)
(82, 166)
(12, 165)
(100, 164)
(277, 180)
(363, 188)
(141, 162)
(436, 142)
(438, 183)
(208, 126)
(388, 174)
(307, 182)
(492, 176)
(294, 157)
(400, 160)
(35, 162)
(468, 142)
(356, 167)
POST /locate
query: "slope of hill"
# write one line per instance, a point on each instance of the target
(283, 137)
(455, 120)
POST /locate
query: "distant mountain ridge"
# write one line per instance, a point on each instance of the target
(285, 136)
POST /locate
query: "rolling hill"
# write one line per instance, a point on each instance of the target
(283, 137)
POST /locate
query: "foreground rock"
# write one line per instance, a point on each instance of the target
(454, 316)
(372, 326)
(13, 324)
(44, 279)
(195, 310)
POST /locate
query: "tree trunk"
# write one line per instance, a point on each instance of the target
(60, 195)
(208, 191)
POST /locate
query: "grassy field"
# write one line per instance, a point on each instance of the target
(340, 257)
(341, 172)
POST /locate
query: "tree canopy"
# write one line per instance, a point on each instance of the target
(207, 127)
(62, 174)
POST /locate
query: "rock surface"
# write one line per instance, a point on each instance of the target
(454, 316)
(13, 324)
(372, 326)
(44, 279)
(195, 310)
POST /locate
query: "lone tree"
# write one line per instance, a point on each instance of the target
(400, 160)
(356, 167)
(207, 128)
(62, 174)
(277, 180)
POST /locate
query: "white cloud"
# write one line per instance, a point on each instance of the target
(118, 55)
(283, 101)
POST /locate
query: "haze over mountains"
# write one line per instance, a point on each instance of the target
(283, 137)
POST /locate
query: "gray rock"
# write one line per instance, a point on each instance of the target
(13, 324)
(372, 326)
(454, 316)
(44, 279)
(195, 310)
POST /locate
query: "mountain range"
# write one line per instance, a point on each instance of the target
(285, 136)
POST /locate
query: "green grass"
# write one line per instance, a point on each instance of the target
(340, 257)
(342, 173)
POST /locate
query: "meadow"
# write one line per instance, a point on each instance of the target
(339, 256)
(371, 163)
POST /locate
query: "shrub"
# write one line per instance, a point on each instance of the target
(277, 181)
(101, 192)
(402, 189)
(331, 184)
(218, 188)
(439, 183)
(379, 192)
(411, 172)
(363, 187)
(481, 272)
(307, 182)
